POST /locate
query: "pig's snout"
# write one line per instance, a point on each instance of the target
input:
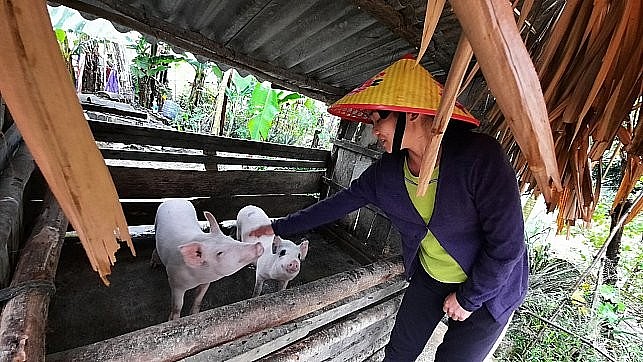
(292, 267)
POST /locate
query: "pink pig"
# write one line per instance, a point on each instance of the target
(284, 264)
(193, 258)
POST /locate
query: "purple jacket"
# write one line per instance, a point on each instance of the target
(477, 218)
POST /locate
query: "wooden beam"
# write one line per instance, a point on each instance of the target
(24, 317)
(223, 207)
(113, 132)
(191, 334)
(392, 19)
(37, 87)
(136, 155)
(13, 181)
(137, 19)
(153, 183)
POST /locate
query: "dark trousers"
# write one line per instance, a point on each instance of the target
(421, 311)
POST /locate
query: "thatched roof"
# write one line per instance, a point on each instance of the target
(587, 54)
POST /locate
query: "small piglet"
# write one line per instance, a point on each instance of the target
(193, 258)
(281, 261)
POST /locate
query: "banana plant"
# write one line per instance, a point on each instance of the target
(265, 103)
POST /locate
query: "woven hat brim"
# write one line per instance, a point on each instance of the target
(404, 86)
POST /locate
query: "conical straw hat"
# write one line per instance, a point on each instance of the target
(403, 87)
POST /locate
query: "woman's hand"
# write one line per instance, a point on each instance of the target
(262, 230)
(453, 309)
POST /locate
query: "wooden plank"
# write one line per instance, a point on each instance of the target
(326, 343)
(36, 85)
(364, 223)
(186, 336)
(154, 183)
(378, 235)
(223, 208)
(357, 148)
(362, 343)
(348, 243)
(24, 317)
(363, 354)
(394, 244)
(114, 132)
(8, 144)
(264, 342)
(343, 172)
(13, 181)
(136, 155)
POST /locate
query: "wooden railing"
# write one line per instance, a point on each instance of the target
(219, 174)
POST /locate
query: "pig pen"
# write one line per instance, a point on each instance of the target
(340, 307)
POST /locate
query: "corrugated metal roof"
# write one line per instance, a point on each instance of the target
(317, 47)
(320, 48)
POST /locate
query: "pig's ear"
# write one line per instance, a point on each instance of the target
(192, 254)
(276, 244)
(214, 225)
(303, 249)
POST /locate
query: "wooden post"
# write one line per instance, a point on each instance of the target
(24, 318)
(8, 144)
(218, 118)
(186, 336)
(12, 186)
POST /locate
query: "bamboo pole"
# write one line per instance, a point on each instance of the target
(37, 89)
(436, 129)
(490, 27)
(24, 317)
(431, 17)
(186, 336)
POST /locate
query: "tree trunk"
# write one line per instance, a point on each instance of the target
(613, 253)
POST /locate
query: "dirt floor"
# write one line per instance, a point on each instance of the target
(84, 310)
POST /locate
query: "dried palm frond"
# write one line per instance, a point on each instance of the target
(591, 69)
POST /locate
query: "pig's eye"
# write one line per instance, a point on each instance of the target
(282, 253)
(220, 253)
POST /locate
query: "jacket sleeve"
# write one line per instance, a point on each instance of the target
(358, 194)
(497, 201)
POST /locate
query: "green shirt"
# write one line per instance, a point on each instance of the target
(435, 260)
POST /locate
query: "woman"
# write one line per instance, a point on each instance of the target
(463, 245)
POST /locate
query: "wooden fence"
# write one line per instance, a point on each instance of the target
(218, 174)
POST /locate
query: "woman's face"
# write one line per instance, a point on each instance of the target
(384, 128)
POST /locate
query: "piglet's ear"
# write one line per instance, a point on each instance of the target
(192, 254)
(303, 249)
(214, 225)
(276, 244)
